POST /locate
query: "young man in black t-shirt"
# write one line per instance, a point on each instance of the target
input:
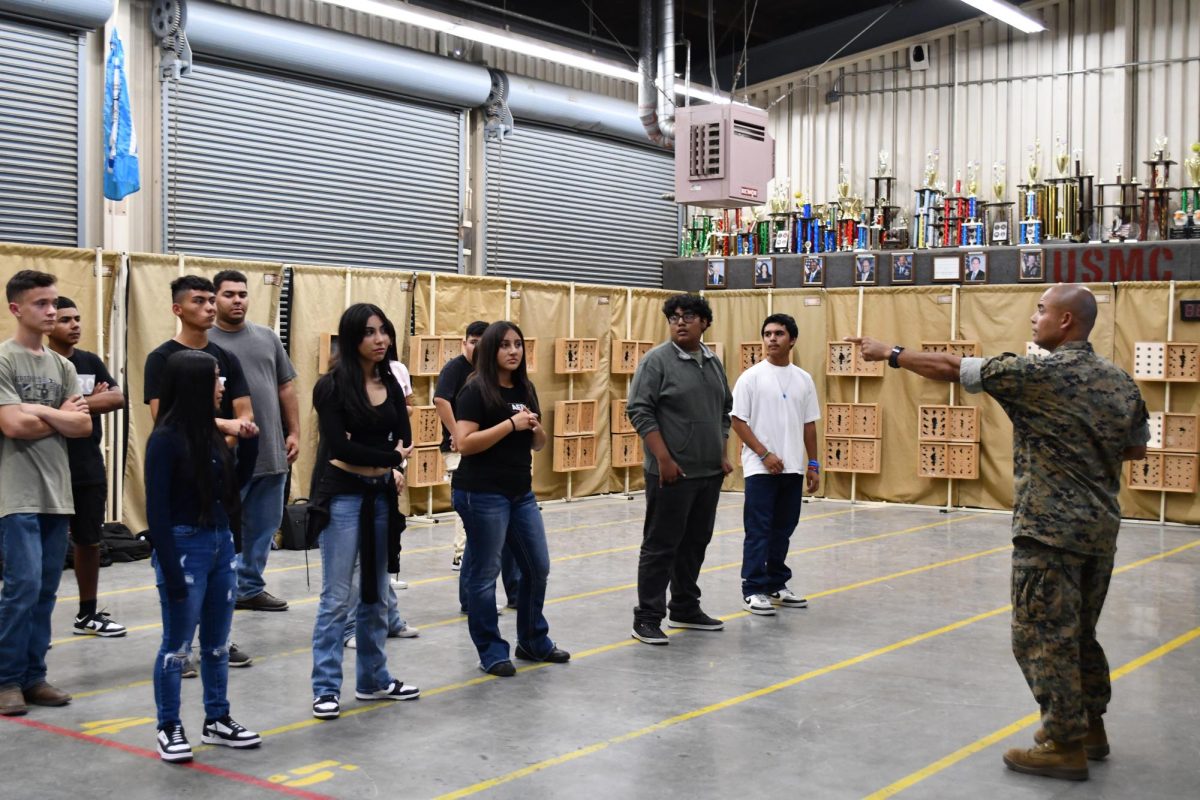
(194, 302)
(89, 481)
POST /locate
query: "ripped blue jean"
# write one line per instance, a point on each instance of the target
(210, 568)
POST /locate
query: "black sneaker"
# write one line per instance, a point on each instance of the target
(327, 707)
(238, 658)
(173, 745)
(555, 656)
(649, 633)
(501, 669)
(228, 733)
(98, 624)
(263, 601)
(396, 690)
(698, 621)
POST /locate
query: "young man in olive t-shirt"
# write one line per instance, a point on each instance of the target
(40, 407)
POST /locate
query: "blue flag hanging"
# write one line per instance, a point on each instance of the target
(120, 140)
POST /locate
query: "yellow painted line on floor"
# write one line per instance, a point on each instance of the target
(1000, 735)
(577, 656)
(596, 747)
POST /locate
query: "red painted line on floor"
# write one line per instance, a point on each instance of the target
(143, 752)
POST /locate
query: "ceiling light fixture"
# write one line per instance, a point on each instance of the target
(1008, 13)
(506, 41)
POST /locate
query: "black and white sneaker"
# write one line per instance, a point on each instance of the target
(327, 707)
(396, 690)
(173, 745)
(788, 599)
(98, 624)
(649, 633)
(227, 732)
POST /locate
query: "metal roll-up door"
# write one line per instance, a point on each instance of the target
(263, 166)
(39, 135)
(571, 207)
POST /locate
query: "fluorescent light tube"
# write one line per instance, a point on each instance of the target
(1007, 12)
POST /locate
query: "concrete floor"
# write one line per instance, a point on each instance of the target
(901, 661)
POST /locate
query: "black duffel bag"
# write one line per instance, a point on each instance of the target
(293, 529)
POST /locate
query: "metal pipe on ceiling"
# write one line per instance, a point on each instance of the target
(666, 69)
(83, 14)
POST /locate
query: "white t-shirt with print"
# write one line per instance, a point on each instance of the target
(776, 402)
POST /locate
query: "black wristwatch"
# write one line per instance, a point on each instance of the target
(894, 358)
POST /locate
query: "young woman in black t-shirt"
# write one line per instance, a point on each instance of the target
(364, 428)
(498, 427)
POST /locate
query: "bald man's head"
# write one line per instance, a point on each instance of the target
(1066, 312)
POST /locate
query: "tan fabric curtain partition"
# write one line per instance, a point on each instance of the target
(150, 323)
(995, 316)
(77, 279)
(1143, 311)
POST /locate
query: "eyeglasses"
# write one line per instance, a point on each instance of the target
(690, 316)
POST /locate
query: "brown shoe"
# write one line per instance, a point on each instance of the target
(263, 601)
(1095, 744)
(12, 703)
(43, 694)
(1050, 759)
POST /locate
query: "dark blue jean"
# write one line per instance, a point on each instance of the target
(493, 520)
(34, 547)
(770, 514)
(510, 576)
(210, 570)
(262, 511)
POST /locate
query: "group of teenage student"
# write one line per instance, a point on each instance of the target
(220, 443)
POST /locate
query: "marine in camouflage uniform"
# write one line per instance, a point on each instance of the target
(1076, 417)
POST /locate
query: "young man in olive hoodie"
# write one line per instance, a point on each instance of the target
(679, 403)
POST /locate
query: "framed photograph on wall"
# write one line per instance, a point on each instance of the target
(864, 269)
(814, 271)
(764, 273)
(947, 269)
(975, 266)
(1032, 266)
(902, 267)
(714, 273)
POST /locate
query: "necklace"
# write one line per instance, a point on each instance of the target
(783, 389)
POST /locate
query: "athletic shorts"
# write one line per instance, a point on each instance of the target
(88, 518)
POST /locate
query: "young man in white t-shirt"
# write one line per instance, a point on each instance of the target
(774, 413)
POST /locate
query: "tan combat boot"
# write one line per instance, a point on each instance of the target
(1050, 759)
(1095, 744)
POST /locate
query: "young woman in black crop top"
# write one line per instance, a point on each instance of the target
(498, 427)
(364, 429)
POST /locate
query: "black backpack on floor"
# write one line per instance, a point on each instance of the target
(122, 545)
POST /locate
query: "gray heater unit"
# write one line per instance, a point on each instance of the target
(724, 157)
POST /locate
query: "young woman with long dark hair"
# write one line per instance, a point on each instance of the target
(193, 484)
(355, 509)
(498, 428)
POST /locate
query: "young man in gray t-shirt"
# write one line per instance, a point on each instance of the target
(40, 406)
(271, 378)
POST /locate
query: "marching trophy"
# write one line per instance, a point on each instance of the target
(1118, 220)
(972, 228)
(881, 215)
(1063, 197)
(926, 210)
(1033, 195)
(1156, 195)
(999, 213)
(1189, 202)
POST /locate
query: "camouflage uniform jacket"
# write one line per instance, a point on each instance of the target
(1073, 413)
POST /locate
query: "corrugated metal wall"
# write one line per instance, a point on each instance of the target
(991, 90)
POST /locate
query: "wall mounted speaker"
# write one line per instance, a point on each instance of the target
(918, 57)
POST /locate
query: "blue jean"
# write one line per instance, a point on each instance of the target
(492, 521)
(34, 547)
(510, 576)
(207, 558)
(394, 622)
(770, 514)
(262, 511)
(340, 594)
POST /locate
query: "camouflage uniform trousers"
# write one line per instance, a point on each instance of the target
(1057, 596)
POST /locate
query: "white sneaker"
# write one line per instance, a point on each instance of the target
(173, 744)
(398, 584)
(396, 690)
(406, 632)
(352, 643)
(788, 599)
(758, 604)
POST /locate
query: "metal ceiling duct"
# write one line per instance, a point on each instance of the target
(83, 14)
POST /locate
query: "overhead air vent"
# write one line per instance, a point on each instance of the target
(729, 158)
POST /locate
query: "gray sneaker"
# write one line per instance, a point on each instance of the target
(263, 601)
(238, 658)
